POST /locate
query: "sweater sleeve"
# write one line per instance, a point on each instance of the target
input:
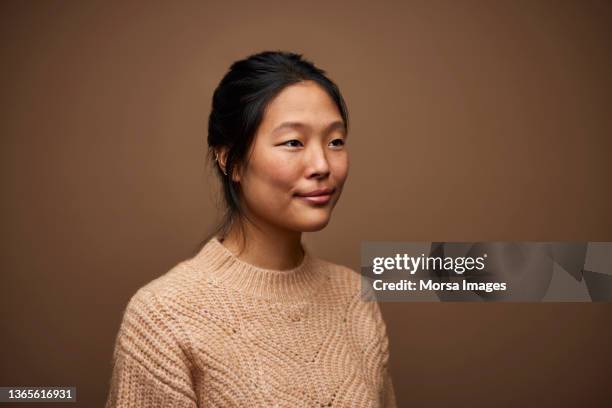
(389, 392)
(150, 366)
(370, 333)
(388, 389)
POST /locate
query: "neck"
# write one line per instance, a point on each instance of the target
(266, 246)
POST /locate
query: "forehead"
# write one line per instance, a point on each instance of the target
(302, 102)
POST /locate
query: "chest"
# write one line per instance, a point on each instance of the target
(288, 357)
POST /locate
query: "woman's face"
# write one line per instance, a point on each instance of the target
(299, 148)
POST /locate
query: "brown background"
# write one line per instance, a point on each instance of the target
(471, 121)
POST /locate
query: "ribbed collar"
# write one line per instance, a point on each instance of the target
(225, 269)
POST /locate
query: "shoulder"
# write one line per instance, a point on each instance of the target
(157, 298)
(155, 313)
(166, 302)
(176, 286)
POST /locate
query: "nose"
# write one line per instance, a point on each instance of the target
(317, 164)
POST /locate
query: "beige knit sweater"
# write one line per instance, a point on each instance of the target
(215, 331)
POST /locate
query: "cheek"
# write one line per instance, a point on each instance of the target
(340, 168)
(272, 181)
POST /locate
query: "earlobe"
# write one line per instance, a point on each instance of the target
(220, 158)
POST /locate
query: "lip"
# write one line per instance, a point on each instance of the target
(320, 199)
(321, 196)
(319, 192)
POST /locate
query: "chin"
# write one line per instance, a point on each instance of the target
(313, 225)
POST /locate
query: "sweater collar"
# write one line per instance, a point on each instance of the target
(224, 268)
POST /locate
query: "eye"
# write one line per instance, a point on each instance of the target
(338, 140)
(293, 141)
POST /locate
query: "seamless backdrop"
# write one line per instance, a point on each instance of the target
(470, 121)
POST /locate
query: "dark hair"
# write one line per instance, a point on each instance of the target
(238, 106)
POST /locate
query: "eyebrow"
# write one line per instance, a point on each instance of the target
(338, 124)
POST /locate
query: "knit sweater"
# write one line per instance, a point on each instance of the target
(215, 331)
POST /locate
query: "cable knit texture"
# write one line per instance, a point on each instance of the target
(215, 331)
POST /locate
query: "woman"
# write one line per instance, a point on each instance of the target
(254, 318)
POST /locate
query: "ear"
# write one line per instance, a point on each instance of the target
(221, 157)
(221, 154)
